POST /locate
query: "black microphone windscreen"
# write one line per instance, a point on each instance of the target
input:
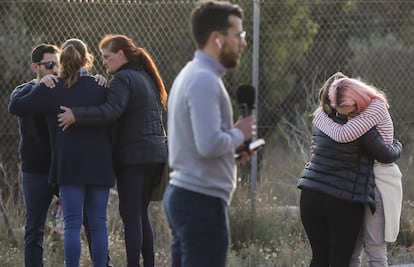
(246, 94)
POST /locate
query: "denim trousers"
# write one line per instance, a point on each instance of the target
(371, 237)
(89, 237)
(38, 194)
(200, 228)
(332, 226)
(95, 198)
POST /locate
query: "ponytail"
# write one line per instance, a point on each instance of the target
(70, 63)
(74, 56)
(149, 66)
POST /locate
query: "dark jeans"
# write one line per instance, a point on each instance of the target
(134, 184)
(332, 226)
(38, 194)
(200, 228)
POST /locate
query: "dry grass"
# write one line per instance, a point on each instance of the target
(270, 236)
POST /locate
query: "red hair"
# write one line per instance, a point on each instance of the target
(139, 55)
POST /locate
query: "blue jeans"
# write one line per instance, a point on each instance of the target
(200, 228)
(38, 194)
(96, 200)
(89, 237)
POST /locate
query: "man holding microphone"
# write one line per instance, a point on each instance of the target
(203, 139)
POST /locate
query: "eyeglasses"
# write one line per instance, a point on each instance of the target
(241, 35)
(49, 65)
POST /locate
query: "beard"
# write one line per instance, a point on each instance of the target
(229, 59)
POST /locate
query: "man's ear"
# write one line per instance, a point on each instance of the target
(35, 67)
(218, 42)
(216, 38)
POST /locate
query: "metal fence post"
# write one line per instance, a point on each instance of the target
(255, 78)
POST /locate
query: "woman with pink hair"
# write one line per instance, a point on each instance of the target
(365, 106)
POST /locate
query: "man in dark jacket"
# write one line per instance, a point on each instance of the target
(35, 159)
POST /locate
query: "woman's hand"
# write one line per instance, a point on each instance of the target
(49, 80)
(101, 80)
(66, 118)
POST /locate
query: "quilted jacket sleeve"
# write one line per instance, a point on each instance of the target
(373, 143)
(116, 101)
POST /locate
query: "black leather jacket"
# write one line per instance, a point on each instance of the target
(133, 104)
(345, 170)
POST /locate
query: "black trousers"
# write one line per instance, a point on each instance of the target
(134, 184)
(332, 226)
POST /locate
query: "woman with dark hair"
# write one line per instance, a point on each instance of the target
(81, 157)
(136, 99)
(323, 95)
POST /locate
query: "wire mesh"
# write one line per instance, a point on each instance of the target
(302, 42)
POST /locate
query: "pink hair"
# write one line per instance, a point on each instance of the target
(348, 92)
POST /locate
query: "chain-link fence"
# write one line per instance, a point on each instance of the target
(301, 43)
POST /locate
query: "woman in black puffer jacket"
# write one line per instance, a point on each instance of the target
(336, 184)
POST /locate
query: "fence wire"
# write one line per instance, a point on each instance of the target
(302, 42)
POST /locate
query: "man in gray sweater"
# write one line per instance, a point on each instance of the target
(203, 139)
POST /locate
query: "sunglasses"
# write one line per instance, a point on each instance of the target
(49, 65)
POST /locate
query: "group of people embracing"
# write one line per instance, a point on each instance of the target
(351, 190)
(116, 124)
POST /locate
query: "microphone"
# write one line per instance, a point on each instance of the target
(246, 96)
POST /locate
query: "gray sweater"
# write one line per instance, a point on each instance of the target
(201, 137)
